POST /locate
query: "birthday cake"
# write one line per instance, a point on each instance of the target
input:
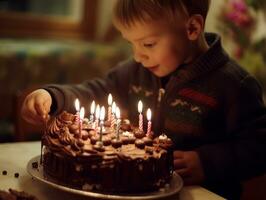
(111, 160)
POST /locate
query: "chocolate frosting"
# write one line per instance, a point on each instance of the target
(62, 135)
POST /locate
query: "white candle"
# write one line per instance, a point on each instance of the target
(110, 101)
(77, 107)
(81, 117)
(149, 121)
(113, 115)
(92, 112)
(102, 116)
(140, 107)
(97, 115)
(118, 122)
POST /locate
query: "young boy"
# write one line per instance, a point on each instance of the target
(210, 107)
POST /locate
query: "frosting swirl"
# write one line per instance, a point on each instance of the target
(55, 124)
(65, 137)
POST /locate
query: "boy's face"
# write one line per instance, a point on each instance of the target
(156, 46)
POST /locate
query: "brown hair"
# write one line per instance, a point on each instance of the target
(127, 12)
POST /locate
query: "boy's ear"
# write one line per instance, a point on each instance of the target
(195, 26)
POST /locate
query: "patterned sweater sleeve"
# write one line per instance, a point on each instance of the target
(115, 82)
(242, 155)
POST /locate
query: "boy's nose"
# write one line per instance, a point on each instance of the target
(140, 57)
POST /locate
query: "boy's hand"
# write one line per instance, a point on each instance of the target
(36, 106)
(187, 164)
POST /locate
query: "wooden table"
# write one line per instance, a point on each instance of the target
(15, 156)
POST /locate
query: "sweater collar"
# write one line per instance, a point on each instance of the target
(214, 58)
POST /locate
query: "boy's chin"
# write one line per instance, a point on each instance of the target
(160, 74)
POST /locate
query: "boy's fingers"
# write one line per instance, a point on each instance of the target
(47, 106)
(30, 108)
(47, 117)
(179, 164)
(40, 110)
(178, 154)
(43, 108)
(36, 107)
(31, 113)
(32, 118)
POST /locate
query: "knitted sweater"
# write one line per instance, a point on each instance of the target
(211, 106)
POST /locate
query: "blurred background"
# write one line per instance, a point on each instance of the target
(68, 41)
(62, 41)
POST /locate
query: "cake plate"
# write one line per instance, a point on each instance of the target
(175, 186)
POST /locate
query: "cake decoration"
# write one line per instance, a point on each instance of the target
(93, 155)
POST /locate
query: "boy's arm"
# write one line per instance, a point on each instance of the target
(244, 154)
(116, 82)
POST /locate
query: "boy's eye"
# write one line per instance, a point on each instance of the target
(149, 45)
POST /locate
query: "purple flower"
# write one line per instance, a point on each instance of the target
(239, 5)
(239, 14)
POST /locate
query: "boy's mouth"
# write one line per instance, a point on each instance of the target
(153, 68)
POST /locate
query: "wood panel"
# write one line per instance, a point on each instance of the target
(14, 24)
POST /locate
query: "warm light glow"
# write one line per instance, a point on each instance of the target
(113, 107)
(149, 114)
(92, 107)
(117, 113)
(82, 113)
(102, 113)
(97, 114)
(77, 105)
(140, 107)
(110, 99)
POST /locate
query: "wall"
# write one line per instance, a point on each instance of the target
(104, 17)
(211, 23)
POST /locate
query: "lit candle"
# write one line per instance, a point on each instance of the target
(81, 117)
(110, 101)
(92, 112)
(113, 116)
(118, 122)
(97, 115)
(140, 107)
(77, 106)
(149, 121)
(102, 116)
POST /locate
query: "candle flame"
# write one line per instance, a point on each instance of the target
(140, 107)
(113, 107)
(149, 114)
(117, 113)
(77, 105)
(92, 107)
(97, 114)
(82, 113)
(102, 113)
(110, 99)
